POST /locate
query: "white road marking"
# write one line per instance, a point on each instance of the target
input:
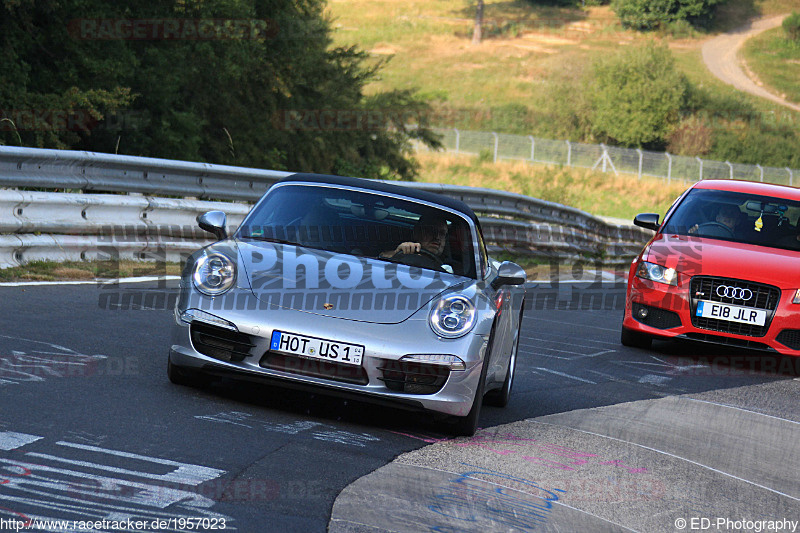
(184, 473)
(562, 374)
(11, 440)
(35, 365)
(701, 465)
(58, 492)
(609, 376)
(568, 343)
(345, 437)
(555, 339)
(293, 428)
(742, 409)
(615, 330)
(150, 495)
(98, 282)
(579, 355)
(234, 418)
(654, 379)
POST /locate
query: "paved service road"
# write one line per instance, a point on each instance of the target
(720, 55)
(597, 437)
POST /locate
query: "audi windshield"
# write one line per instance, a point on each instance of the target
(737, 217)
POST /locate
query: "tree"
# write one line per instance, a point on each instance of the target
(651, 14)
(636, 96)
(477, 31)
(791, 26)
(211, 80)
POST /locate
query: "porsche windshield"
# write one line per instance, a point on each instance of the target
(737, 217)
(359, 223)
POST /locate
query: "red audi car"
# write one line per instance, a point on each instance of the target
(723, 267)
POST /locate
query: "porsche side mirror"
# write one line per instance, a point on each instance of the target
(647, 221)
(214, 222)
(509, 273)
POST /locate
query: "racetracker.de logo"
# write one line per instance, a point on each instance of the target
(171, 29)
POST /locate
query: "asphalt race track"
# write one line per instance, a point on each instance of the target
(597, 437)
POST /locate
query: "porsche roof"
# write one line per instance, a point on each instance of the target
(386, 187)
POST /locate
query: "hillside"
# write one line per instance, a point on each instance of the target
(525, 77)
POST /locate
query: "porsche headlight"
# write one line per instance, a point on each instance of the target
(453, 316)
(214, 274)
(657, 273)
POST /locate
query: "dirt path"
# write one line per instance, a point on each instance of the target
(720, 56)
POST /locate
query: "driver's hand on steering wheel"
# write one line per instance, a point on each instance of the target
(694, 229)
(408, 248)
(404, 248)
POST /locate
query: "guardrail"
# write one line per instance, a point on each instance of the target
(137, 225)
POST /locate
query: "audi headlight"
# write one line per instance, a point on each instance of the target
(453, 316)
(796, 299)
(657, 273)
(214, 274)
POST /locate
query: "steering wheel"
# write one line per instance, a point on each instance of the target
(717, 230)
(430, 255)
(423, 259)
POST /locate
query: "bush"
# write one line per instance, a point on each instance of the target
(791, 25)
(651, 14)
(691, 137)
(637, 96)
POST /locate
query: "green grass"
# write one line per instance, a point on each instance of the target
(525, 73)
(525, 47)
(776, 62)
(603, 194)
(86, 270)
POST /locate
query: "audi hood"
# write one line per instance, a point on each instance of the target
(693, 256)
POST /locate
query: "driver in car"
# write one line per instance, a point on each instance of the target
(430, 238)
(728, 215)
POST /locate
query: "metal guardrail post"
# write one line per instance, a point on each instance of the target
(641, 157)
(569, 153)
(730, 167)
(603, 158)
(533, 148)
(458, 138)
(790, 176)
(701, 167)
(761, 172)
(669, 167)
(496, 144)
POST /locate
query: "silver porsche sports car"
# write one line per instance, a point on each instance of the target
(358, 288)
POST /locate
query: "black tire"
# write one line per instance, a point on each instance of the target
(466, 426)
(499, 397)
(187, 377)
(634, 339)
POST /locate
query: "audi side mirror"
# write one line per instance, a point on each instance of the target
(647, 221)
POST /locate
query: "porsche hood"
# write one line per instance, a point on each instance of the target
(338, 285)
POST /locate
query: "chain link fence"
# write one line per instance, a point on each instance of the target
(500, 146)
